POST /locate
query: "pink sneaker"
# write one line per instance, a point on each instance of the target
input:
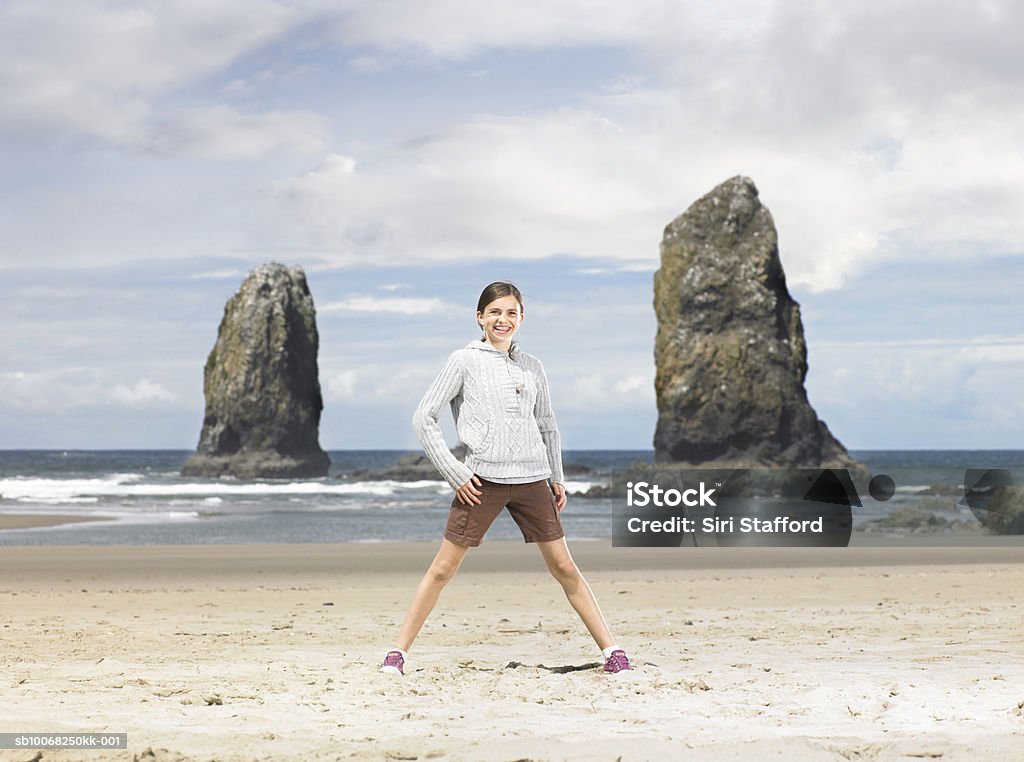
(617, 662)
(394, 663)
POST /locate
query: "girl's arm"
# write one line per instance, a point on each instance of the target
(426, 419)
(548, 428)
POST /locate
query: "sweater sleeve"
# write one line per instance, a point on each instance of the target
(426, 419)
(545, 416)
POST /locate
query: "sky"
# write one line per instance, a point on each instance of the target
(406, 153)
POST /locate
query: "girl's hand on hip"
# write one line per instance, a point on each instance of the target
(560, 499)
(468, 494)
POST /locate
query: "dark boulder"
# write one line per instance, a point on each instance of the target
(261, 383)
(730, 353)
(412, 467)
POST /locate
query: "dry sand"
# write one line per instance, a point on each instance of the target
(269, 652)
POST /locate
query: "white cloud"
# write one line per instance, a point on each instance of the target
(77, 389)
(630, 385)
(1008, 346)
(456, 29)
(398, 305)
(872, 129)
(99, 69)
(936, 377)
(526, 188)
(252, 83)
(634, 268)
(387, 383)
(367, 64)
(217, 275)
(857, 152)
(143, 393)
(578, 182)
(339, 385)
(931, 393)
(335, 164)
(603, 391)
(220, 132)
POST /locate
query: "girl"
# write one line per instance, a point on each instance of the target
(499, 398)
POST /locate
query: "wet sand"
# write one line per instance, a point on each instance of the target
(33, 520)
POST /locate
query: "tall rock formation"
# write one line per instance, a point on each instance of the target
(730, 352)
(261, 383)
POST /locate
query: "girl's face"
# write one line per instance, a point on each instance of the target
(500, 320)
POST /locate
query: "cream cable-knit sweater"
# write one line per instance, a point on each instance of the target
(502, 412)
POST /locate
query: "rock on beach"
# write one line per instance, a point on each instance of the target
(261, 384)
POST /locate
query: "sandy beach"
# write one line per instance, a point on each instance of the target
(269, 652)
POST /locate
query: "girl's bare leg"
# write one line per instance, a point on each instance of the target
(564, 569)
(441, 571)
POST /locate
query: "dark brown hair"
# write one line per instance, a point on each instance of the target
(497, 290)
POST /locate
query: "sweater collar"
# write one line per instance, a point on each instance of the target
(484, 346)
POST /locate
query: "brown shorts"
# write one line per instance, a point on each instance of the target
(532, 506)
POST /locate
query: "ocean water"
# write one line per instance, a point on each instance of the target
(148, 502)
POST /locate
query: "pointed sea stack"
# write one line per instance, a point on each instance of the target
(730, 352)
(261, 384)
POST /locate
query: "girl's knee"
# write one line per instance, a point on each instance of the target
(565, 571)
(442, 571)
